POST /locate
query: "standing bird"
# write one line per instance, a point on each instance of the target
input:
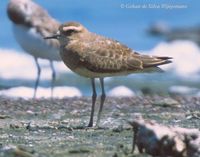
(94, 56)
(30, 24)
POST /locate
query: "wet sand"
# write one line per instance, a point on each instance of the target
(46, 127)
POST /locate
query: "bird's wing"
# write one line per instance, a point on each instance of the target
(107, 55)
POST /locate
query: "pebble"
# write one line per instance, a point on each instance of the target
(167, 102)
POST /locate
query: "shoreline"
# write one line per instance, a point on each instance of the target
(57, 127)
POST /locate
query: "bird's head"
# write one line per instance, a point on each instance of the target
(68, 31)
(19, 11)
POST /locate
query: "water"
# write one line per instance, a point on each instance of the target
(116, 19)
(107, 17)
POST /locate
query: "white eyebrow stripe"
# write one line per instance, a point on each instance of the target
(72, 28)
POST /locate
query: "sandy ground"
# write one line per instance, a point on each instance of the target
(50, 128)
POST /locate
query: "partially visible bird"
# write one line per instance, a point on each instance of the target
(170, 34)
(94, 56)
(30, 24)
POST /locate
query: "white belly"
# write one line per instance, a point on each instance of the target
(89, 74)
(34, 44)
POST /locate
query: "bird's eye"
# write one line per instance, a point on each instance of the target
(69, 32)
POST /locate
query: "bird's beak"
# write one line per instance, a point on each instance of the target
(55, 36)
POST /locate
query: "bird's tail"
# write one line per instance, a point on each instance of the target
(151, 63)
(154, 61)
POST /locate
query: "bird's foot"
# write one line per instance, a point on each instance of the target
(90, 125)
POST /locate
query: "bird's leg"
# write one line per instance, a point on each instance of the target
(53, 77)
(38, 77)
(94, 96)
(103, 96)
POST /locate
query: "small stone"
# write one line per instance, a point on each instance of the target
(118, 129)
(79, 151)
(14, 151)
(4, 116)
(167, 102)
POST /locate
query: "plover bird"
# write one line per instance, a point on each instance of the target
(94, 56)
(30, 24)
